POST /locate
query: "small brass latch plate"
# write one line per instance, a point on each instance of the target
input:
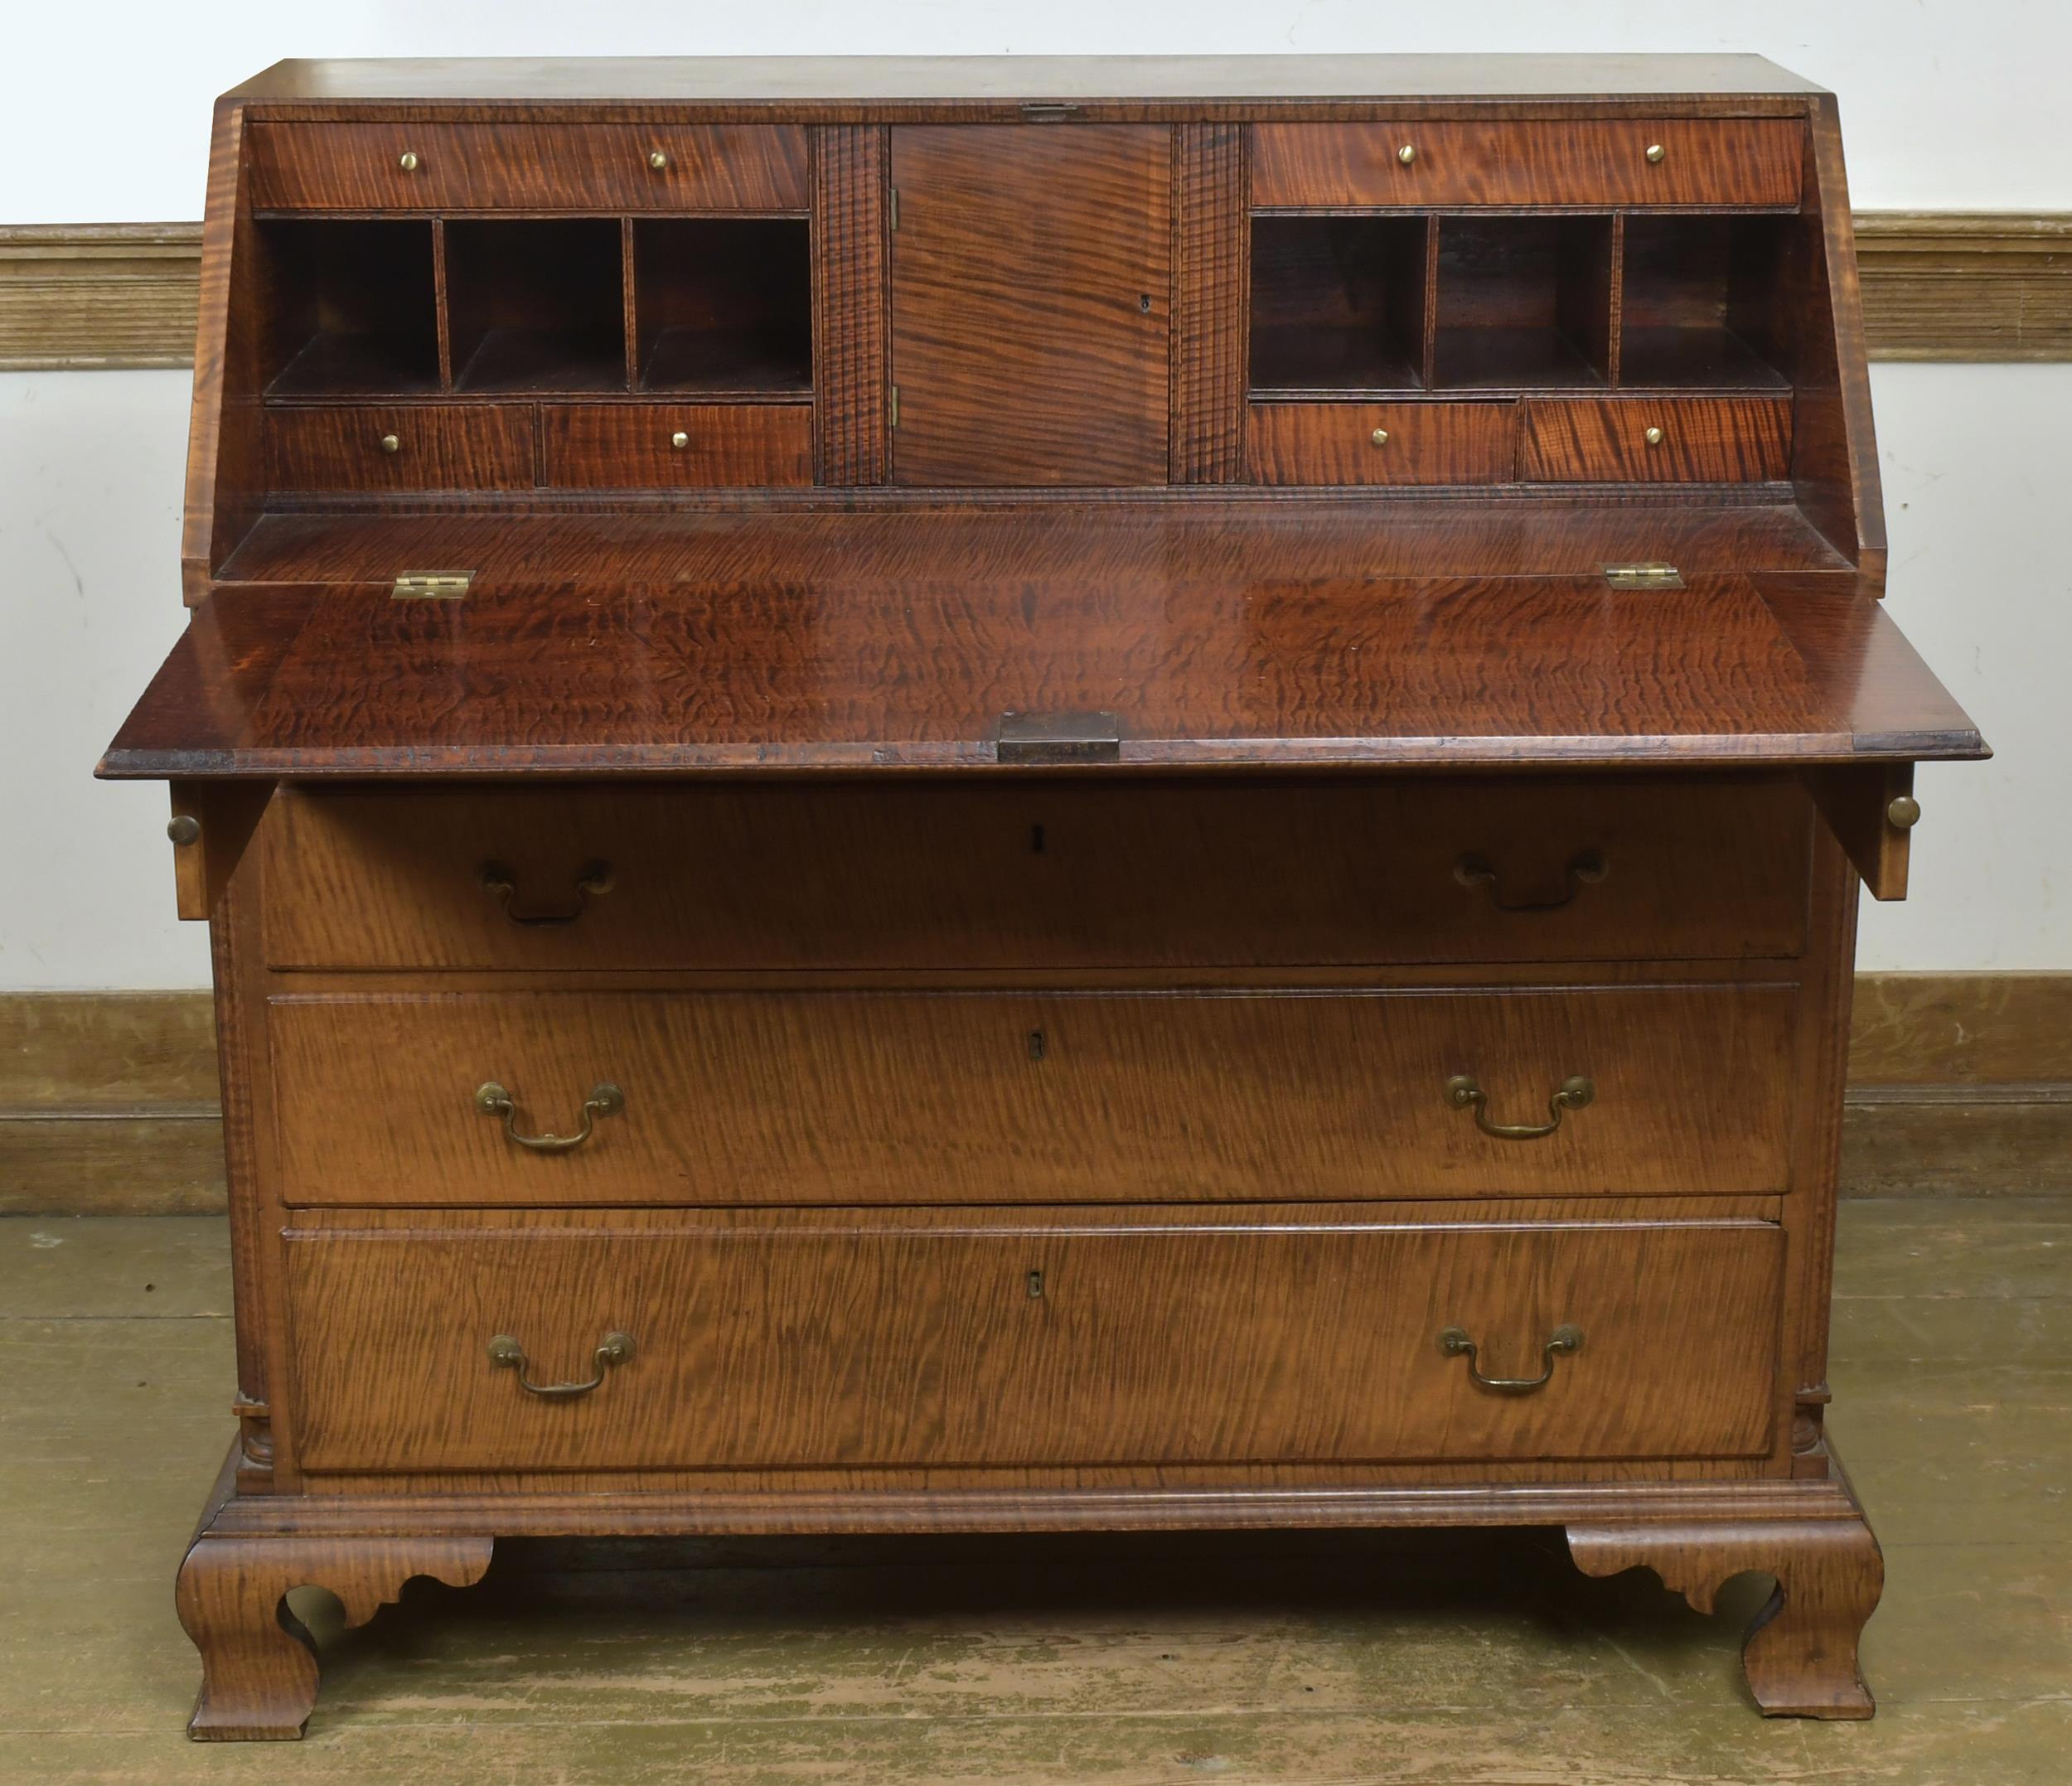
(431, 585)
(1646, 576)
(1058, 737)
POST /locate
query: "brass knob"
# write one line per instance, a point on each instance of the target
(183, 828)
(680, 440)
(407, 161)
(657, 160)
(1655, 152)
(1407, 153)
(1379, 436)
(391, 443)
(1653, 437)
(1904, 813)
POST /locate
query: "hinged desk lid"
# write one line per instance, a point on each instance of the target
(1458, 674)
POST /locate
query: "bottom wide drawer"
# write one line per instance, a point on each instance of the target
(1021, 1337)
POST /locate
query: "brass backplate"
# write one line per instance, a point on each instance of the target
(1645, 576)
(431, 585)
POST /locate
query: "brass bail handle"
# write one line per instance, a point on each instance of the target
(1574, 1093)
(605, 1100)
(1586, 870)
(501, 885)
(506, 1354)
(1455, 1343)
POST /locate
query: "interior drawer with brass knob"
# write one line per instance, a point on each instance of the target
(1625, 161)
(899, 1339)
(400, 447)
(598, 1097)
(1062, 875)
(1432, 443)
(660, 446)
(417, 165)
(1641, 439)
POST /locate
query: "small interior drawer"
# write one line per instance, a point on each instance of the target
(1665, 439)
(396, 446)
(664, 446)
(1379, 443)
(1723, 161)
(1046, 1337)
(416, 166)
(825, 1097)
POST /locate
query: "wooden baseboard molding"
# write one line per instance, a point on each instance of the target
(1960, 1085)
(1937, 285)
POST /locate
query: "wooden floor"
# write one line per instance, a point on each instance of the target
(1319, 1659)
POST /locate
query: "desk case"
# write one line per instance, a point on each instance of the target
(1031, 795)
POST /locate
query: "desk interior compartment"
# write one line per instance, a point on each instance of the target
(350, 307)
(1523, 304)
(1338, 304)
(1701, 302)
(536, 304)
(723, 305)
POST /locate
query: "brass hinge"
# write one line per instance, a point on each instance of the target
(431, 585)
(895, 405)
(1654, 575)
(892, 205)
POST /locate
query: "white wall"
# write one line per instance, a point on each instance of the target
(1946, 105)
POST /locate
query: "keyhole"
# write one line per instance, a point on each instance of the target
(1037, 1044)
(1144, 302)
(1035, 1286)
(1036, 839)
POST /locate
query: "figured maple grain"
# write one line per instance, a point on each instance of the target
(1031, 304)
(1704, 439)
(1334, 443)
(850, 227)
(439, 447)
(1454, 674)
(1211, 293)
(632, 446)
(953, 1097)
(1066, 874)
(863, 1341)
(1705, 161)
(590, 167)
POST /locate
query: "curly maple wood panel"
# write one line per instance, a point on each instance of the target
(1704, 162)
(1211, 297)
(1237, 672)
(866, 1343)
(524, 166)
(1800, 1654)
(1703, 439)
(477, 446)
(632, 446)
(258, 1667)
(1424, 442)
(1031, 305)
(1068, 874)
(1029, 1097)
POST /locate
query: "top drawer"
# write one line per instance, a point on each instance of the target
(418, 166)
(1720, 160)
(1056, 876)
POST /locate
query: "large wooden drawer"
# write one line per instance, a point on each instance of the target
(1061, 875)
(1379, 443)
(859, 1097)
(635, 446)
(471, 446)
(1604, 162)
(362, 167)
(1667, 440)
(1047, 1339)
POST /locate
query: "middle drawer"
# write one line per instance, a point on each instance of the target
(885, 1097)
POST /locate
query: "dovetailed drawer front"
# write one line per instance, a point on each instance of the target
(664, 446)
(1042, 1339)
(1623, 162)
(401, 447)
(904, 1097)
(415, 166)
(1641, 439)
(1379, 443)
(1065, 875)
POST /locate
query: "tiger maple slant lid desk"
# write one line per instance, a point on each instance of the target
(1025, 795)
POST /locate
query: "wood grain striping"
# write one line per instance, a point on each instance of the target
(1705, 439)
(849, 303)
(1211, 288)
